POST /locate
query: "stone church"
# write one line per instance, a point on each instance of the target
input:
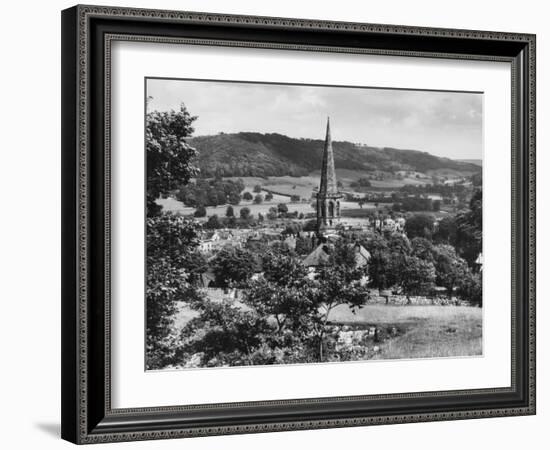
(328, 213)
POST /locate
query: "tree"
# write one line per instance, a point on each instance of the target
(234, 198)
(419, 225)
(446, 231)
(450, 268)
(213, 222)
(294, 198)
(415, 276)
(469, 230)
(173, 267)
(287, 319)
(268, 197)
(258, 199)
(292, 229)
(422, 248)
(373, 242)
(470, 288)
(257, 188)
(233, 267)
(282, 208)
(244, 213)
(399, 244)
(200, 211)
(310, 225)
(272, 213)
(229, 212)
(247, 196)
(381, 270)
(169, 157)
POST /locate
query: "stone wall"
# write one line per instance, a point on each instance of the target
(396, 299)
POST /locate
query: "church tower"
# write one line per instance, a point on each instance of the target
(328, 197)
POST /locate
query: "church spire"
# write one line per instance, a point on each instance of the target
(328, 197)
(328, 174)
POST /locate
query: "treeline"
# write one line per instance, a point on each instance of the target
(212, 192)
(445, 190)
(245, 219)
(416, 204)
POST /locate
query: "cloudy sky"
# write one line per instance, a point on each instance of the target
(442, 123)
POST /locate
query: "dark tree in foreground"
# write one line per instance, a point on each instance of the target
(286, 314)
(173, 268)
(169, 157)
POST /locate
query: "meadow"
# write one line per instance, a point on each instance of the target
(422, 331)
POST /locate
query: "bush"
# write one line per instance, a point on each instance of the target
(244, 213)
(200, 211)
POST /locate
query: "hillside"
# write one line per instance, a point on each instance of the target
(262, 155)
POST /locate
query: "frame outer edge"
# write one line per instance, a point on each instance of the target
(69, 264)
(75, 209)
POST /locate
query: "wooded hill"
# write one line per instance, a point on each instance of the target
(262, 155)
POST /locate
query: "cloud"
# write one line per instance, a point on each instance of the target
(443, 123)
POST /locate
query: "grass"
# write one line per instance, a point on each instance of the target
(424, 331)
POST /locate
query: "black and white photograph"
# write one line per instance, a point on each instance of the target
(297, 224)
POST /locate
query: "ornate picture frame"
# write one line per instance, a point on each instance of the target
(88, 33)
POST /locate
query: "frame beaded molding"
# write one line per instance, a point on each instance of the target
(87, 12)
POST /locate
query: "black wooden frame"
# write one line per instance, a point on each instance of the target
(87, 32)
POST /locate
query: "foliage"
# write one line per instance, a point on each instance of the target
(469, 230)
(263, 155)
(213, 222)
(258, 199)
(399, 244)
(450, 268)
(282, 208)
(212, 192)
(361, 182)
(285, 319)
(173, 267)
(244, 212)
(415, 276)
(470, 288)
(422, 248)
(169, 156)
(247, 196)
(229, 212)
(381, 270)
(419, 225)
(200, 211)
(233, 267)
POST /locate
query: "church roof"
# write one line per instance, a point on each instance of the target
(321, 254)
(328, 185)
